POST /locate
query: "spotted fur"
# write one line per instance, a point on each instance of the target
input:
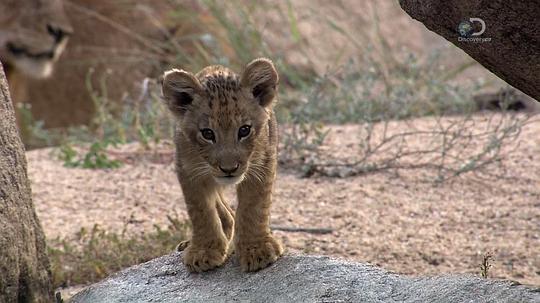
(212, 110)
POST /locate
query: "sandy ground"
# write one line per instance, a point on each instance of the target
(402, 222)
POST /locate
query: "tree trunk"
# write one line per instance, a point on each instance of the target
(24, 266)
(504, 38)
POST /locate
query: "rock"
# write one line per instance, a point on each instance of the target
(294, 278)
(511, 41)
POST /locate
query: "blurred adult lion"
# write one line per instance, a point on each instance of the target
(114, 42)
(33, 35)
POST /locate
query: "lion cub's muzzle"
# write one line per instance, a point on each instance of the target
(229, 174)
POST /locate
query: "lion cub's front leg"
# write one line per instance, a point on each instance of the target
(226, 215)
(208, 246)
(254, 243)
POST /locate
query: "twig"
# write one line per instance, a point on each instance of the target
(318, 231)
(451, 148)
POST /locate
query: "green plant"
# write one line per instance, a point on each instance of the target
(144, 119)
(95, 157)
(357, 92)
(33, 132)
(68, 155)
(97, 253)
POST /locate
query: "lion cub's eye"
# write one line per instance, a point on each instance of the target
(244, 131)
(208, 134)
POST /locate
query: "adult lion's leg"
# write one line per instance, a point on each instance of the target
(208, 246)
(254, 243)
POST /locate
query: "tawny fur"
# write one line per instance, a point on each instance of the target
(218, 99)
(33, 35)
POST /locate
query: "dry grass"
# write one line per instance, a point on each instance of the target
(96, 253)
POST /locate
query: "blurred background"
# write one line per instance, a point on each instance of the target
(371, 103)
(372, 48)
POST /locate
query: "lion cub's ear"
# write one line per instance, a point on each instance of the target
(179, 89)
(261, 78)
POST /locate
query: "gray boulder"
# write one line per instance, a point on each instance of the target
(294, 279)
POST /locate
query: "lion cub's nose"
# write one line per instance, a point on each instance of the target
(229, 169)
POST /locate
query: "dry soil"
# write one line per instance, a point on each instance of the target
(399, 220)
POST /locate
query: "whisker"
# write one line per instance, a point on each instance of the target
(255, 171)
(199, 170)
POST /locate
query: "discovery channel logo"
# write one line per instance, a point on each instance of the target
(467, 32)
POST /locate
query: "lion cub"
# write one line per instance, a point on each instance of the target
(226, 134)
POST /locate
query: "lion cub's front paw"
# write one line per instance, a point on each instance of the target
(198, 258)
(255, 255)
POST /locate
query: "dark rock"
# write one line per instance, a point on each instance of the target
(511, 26)
(294, 279)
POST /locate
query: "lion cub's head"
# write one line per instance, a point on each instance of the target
(224, 117)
